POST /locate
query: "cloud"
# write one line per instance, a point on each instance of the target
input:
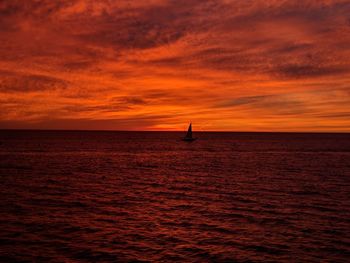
(143, 121)
(242, 101)
(302, 71)
(17, 82)
(133, 100)
(209, 61)
(278, 104)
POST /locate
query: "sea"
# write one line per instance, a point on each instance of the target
(104, 196)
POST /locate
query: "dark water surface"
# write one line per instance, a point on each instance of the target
(116, 196)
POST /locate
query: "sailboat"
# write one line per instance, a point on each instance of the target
(188, 137)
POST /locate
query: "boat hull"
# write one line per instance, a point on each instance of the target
(189, 139)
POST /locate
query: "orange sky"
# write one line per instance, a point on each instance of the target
(228, 65)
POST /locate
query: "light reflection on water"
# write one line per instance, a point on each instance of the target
(109, 196)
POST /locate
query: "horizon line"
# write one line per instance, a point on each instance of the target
(202, 131)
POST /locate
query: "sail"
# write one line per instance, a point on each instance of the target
(188, 137)
(189, 131)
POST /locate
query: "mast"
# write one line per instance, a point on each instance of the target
(189, 131)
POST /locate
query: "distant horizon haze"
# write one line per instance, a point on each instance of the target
(177, 131)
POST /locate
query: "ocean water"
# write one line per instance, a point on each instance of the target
(71, 196)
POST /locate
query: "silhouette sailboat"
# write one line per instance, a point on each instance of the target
(188, 137)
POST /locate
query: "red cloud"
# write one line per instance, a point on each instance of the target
(101, 61)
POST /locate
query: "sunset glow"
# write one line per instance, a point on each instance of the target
(226, 65)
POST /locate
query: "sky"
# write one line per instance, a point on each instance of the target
(225, 65)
